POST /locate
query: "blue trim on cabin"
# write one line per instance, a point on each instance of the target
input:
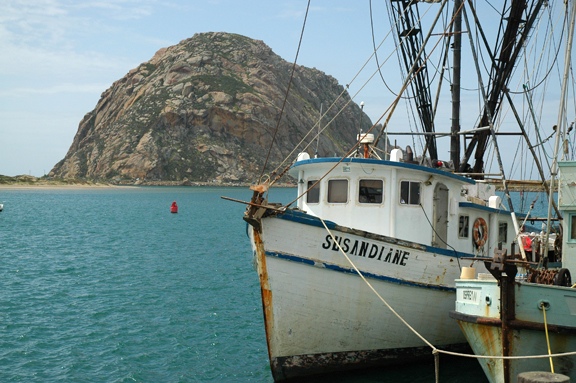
(447, 252)
(307, 219)
(373, 161)
(472, 205)
(476, 206)
(347, 270)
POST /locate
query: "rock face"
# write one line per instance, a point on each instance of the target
(205, 110)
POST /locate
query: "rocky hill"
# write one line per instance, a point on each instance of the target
(205, 110)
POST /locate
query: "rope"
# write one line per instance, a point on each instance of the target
(547, 337)
(374, 290)
(436, 366)
(436, 351)
(571, 353)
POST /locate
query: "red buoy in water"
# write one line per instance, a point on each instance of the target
(174, 208)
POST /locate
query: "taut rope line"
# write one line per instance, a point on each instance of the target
(434, 349)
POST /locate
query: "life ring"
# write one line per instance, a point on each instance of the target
(480, 232)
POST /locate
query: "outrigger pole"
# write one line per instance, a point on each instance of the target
(560, 124)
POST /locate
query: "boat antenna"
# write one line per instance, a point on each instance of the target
(319, 130)
(360, 127)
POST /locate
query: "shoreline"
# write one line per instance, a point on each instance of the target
(60, 186)
(31, 182)
(16, 186)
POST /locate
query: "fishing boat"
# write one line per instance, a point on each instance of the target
(524, 311)
(522, 316)
(360, 269)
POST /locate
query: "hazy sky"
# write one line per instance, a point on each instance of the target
(59, 56)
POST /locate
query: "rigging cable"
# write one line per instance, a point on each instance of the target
(499, 78)
(344, 90)
(411, 76)
(343, 107)
(375, 51)
(286, 95)
(536, 127)
(439, 237)
(492, 133)
(554, 56)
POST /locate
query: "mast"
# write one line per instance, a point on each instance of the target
(457, 51)
(515, 34)
(492, 133)
(560, 125)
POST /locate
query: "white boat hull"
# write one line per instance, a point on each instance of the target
(320, 316)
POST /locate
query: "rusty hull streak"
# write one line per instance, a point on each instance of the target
(489, 336)
(266, 293)
(485, 333)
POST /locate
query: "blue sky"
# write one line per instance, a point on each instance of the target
(59, 56)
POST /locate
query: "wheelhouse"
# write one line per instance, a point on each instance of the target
(405, 201)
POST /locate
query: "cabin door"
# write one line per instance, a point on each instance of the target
(440, 216)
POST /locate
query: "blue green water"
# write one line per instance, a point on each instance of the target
(105, 285)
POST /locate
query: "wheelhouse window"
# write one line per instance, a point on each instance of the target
(463, 226)
(370, 191)
(313, 194)
(338, 191)
(572, 237)
(502, 232)
(410, 193)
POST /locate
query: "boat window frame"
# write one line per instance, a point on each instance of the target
(572, 229)
(410, 199)
(464, 217)
(381, 201)
(329, 190)
(316, 190)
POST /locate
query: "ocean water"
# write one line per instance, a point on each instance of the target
(105, 285)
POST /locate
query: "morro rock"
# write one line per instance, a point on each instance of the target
(205, 110)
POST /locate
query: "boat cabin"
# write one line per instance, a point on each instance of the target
(425, 205)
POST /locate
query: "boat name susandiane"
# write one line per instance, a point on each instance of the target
(367, 249)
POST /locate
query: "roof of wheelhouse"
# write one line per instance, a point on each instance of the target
(373, 161)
